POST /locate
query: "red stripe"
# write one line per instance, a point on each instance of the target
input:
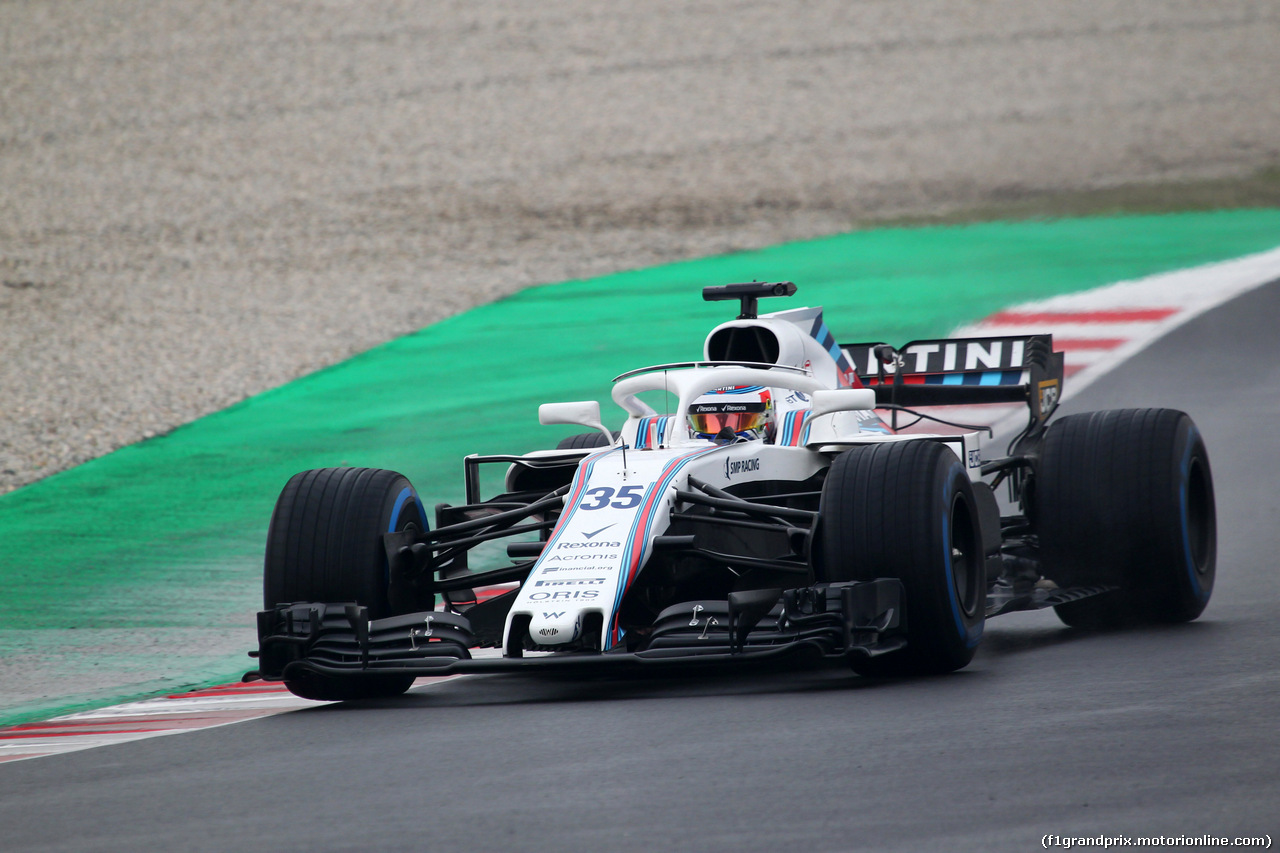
(253, 688)
(18, 735)
(485, 593)
(54, 726)
(887, 379)
(131, 723)
(1122, 315)
(658, 491)
(1088, 343)
(640, 526)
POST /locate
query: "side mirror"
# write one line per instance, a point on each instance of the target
(585, 413)
(843, 400)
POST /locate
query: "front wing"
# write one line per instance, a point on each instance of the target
(858, 618)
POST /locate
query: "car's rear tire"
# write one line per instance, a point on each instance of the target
(325, 544)
(906, 510)
(1125, 498)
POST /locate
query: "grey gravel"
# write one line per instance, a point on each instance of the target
(200, 201)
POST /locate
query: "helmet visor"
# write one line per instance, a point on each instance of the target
(712, 418)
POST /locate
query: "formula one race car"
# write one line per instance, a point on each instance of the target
(771, 511)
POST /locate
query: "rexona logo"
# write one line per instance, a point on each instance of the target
(594, 533)
(739, 466)
(574, 546)
(566, 595)
(717, 408)
(572, 582)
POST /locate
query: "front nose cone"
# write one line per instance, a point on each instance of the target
(553, 627)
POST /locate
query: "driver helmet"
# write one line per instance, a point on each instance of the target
(743, 412)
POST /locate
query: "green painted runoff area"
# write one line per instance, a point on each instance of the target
(166, 536)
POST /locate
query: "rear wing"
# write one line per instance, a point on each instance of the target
(963, 372)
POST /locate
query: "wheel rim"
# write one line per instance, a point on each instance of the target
(1199, 520)
(965, 567)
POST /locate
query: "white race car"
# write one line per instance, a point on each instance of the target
(753, 504)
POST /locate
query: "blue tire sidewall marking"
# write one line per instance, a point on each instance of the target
(1184, 500)
(972, 635)
(406, 494)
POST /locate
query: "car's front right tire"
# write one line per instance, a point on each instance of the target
(325, 545)
(906, 510)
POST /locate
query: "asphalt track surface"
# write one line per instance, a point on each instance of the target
(1157, 731)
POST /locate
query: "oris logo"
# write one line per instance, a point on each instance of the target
(739, 466)
(566, 595)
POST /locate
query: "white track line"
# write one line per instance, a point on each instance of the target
(200, 709)
(1178, 296)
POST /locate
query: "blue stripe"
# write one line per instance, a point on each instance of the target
(642, 536)
(795, 422)
(973, 635)
(583, 477)
(823, 336)
(990, 377)
(642, 433)
(660, 424)
(405, 495)
(1183, 497)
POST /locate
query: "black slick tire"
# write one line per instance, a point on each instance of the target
(582, 441)
(325, 544)
(906, 510)
(1125, 498)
